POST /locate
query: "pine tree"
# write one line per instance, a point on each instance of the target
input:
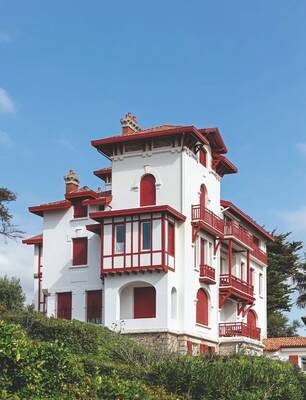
(7, 229)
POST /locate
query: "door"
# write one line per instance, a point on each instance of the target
(64, 303)
(144, 302)
(94, 306)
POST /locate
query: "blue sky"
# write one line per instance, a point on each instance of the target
(70, 70)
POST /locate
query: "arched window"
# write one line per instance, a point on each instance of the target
(203, 196)
(173, 303)
(147, 190)
(202, 307)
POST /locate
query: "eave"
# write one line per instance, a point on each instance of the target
(38, 240)
(56, 206)
(101, 215)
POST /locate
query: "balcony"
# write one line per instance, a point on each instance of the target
(208, 219)
(259, 254)
(232, 329)
(233, 230)
(231, 286)
(207, 275)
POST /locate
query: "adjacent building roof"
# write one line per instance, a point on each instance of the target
(236, 211)
(103, 173)
(274, 344)
(38, 239)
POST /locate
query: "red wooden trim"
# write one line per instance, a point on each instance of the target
(94, 306)
(246, 218)
(78, 194)
(103, 200)
(137, 211)
(215, 139)
(64, 305)
(79, 251)
(147, 190)
(79, 209)
(102, 247)
(56, 206)
(95, 228)
(202, 307)
(38, 239)
(189, 347)
(294, 359)
(103, 173)
(171, 239)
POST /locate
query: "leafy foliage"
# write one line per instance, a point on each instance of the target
(300, 280)
(283, 266)
(11, 295)
(45, 358)
(7, 229)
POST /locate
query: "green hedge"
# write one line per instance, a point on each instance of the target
(45, 358)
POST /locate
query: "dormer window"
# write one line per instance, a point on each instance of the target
(79, 210)
(147, 190)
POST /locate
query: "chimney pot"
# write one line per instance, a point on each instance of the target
(71, 181)
(129, 124)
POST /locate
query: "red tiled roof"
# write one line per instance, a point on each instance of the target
(247, 218)
(38, 239)
(273, 344)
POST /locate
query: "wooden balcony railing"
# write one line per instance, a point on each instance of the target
(236, 283)
(207, 273)
(259, 254)
(233, 229)
(230, 329)
(208, 217)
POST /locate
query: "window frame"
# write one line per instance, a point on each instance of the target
(149, 223)
(116, 226)
(171, 239)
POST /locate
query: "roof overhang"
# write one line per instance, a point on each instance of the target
(98, 201)
(56, 206)
(101, 215)
(237, 212)
(215, 139)
(103, 173)
(38, 239)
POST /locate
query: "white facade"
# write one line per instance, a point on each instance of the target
(119, 268)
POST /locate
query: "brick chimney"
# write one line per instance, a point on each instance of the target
(72, 182)
(129, 124)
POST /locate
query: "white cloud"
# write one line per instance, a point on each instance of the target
(295, 220)
(301, 147)
(65, 143)
(6, 103)
(5, 139)
(5, 37)
(16, 259)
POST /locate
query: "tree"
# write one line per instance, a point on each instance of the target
(300, 281)
(11, 295)
(7, 229)
(283, 266)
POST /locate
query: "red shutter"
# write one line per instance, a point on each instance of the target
(203, 157)
(171, 239)
(202, 308)
(64, 301)
(202, 252)
(79, 211)
(147, 190)
(203, 348)
(211, 349)
(144, 302)
(79, 256)
(94, 306)
(294, 359)
(189, 347)
(202, 197)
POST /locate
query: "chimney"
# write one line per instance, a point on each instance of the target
(129, 124)
(72, 182)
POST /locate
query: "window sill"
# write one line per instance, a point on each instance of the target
(78, 266)
(203, 326)
(79, 219)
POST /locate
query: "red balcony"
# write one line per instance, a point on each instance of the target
(208, 219)
(207, 274)
(230, 329)
(233, 230)
(259, 254)
(231, 286)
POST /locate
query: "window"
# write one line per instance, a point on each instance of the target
(64, 303)
(94, 306)
(79, 210)
(146, 235)
(210, 253)
(144, 302)
(242, 271)
(202, 157)
(202, 251)
(173, 303)
(202, 308)
(79, 256)
(171, 239)
(260, 285)
(119, 238)
(252, 277)
(203, 196)
(256, 241)
(147, 190)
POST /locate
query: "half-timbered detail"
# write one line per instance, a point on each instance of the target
(156, 253)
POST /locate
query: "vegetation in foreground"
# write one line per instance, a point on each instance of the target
(44, 358)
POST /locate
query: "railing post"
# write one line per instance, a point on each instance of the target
(230, 259)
